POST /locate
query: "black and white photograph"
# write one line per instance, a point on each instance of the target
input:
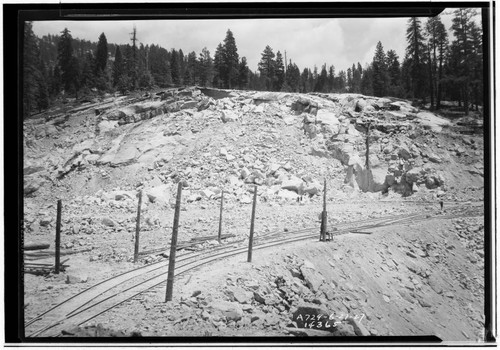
(272, 176)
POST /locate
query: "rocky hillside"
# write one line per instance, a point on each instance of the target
(101, 152)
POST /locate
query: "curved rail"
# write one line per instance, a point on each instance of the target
(89, 307)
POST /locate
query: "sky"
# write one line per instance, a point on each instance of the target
(307, 42)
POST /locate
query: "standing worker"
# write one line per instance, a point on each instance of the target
(441, 200)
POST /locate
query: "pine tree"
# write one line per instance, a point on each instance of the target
(304, 80)
(188, 77)
(182, 66)
(406, 79)
(380, 76)
(243, 74)
(65, 60)
(292, 83)
(442, 47)
(88, 76)
(75, 73)
(175, 67)
(120, 77)
(322, 80)
(356, 78)
(132, 61)
(55, 82)
(279, 72)
(436, 46)
(394, 72)
(231, 61)
(349, 80)
(144, 77)
(267, 67)
(118, 66)
(190, 74)
(415, 52)
(206, 68)
(331, 78)
(42, 91)
(101, 56)
(29, 69)
(313, 78)
(477, 65)
(159, 66)
(341, 81)
(367, 81)
(219, 65)
(463, 48)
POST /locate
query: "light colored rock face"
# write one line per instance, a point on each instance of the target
(159, 194)
(293, 183)
(230, 310)
(229, 116)
(431, 121)
(237, 139)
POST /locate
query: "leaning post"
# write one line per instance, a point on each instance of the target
(173, 246)
(323, 215)
(220, 216)
(250, 240)
(58, 236)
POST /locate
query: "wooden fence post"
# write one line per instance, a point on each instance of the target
(58, 236)
(220, 216)
(250, 240)
(322, 236)
(173, 245)
(137, 228)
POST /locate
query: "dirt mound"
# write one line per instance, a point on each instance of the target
(407, 279)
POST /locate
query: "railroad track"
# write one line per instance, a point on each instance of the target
(119, 289)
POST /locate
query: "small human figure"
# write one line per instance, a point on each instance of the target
(328, 237)
(441, 203)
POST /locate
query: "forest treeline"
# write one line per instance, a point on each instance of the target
(434, 68)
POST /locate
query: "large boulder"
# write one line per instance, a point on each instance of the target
(216, 94)
(415, 175)
(343, 151)
(189, 104)
(313, 278)
(82, 146)
(311, 130)
(32, 184)
(120, 195)
(261, 97)
(273, 168)
(312, 187)
(293, 183)
(30, 168)
(434, 181)
(231, 310)
(106, 125)
(286, 195)
(360, 105)
(125, 155)
(159, 194)
(240, 295)
(404, 152)
(432, 122)
(229, 116)
(379, 179)
(304, 104)
(118, 114)
(329, 121)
